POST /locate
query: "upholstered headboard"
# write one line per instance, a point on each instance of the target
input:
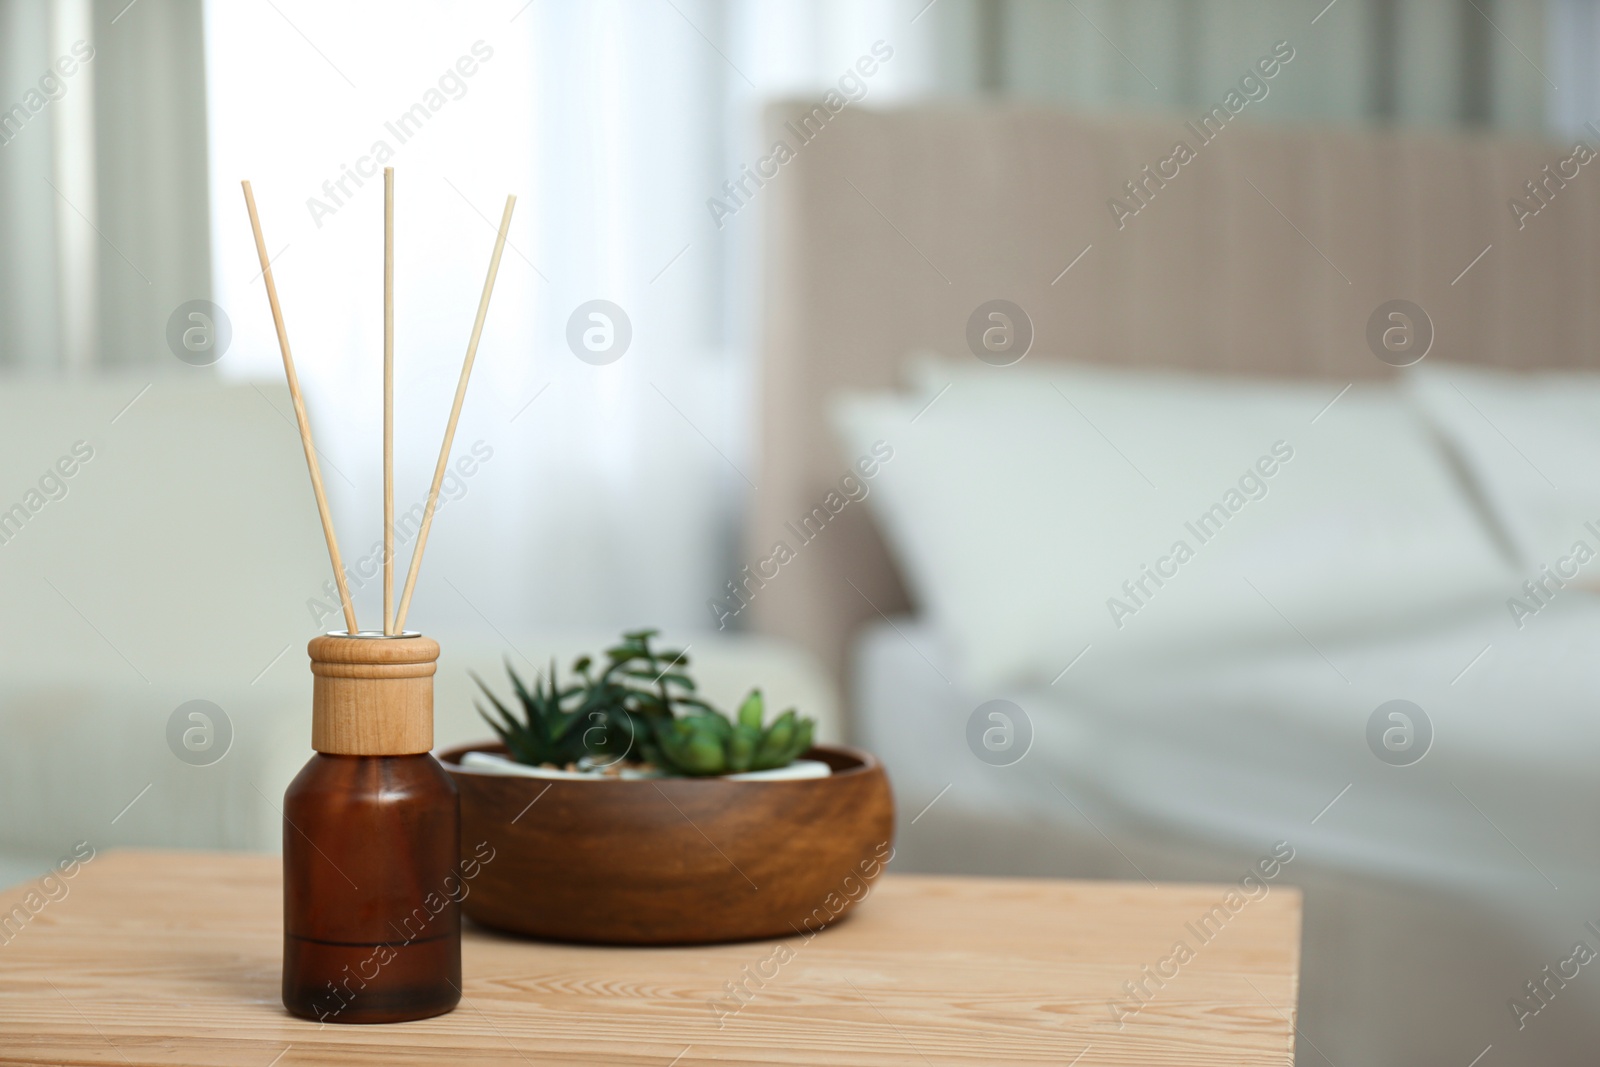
(1264, 253)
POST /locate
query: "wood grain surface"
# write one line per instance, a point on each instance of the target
(682, 861)
(372, 695)
(173, 958)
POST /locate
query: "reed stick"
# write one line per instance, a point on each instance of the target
(300, 414)
(455, 415)
(388, 400)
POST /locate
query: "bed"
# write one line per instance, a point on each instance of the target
(1437, 889)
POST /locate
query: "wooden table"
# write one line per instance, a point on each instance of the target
(172, 958)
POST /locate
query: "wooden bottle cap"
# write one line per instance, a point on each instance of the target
(373, 694)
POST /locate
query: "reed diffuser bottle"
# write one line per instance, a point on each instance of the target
(372, 825)
(371, 839)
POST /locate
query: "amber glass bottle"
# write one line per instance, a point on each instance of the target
(371, 840)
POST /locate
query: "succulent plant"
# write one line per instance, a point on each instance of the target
(708, 743)
(546, 733)
(642, 703)
(645, 682)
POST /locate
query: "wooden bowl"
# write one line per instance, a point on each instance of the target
(673, 860)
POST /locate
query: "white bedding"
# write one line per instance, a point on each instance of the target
(1234, 756)
(1038, 509)
(1531, 443)
(1517, 731)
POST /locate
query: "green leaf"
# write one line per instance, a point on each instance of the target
(492, 698)
(714, 724)
(802, 740)
(500, 731)
(752, 710)
(704, 755)
(741, 747)
(643, 707)
(521, 690)
(670, 745)
(564, 723)
(774, 750)
(657, 677)
(693, 746)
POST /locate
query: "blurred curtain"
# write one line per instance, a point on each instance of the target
(614, 492)
(103, 221)
(46, 273)
(1429, 62)
(150, 148)
(619, 125)
(1574, 37)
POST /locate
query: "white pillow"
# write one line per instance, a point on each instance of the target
(1530, 442)
(1039, 511)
